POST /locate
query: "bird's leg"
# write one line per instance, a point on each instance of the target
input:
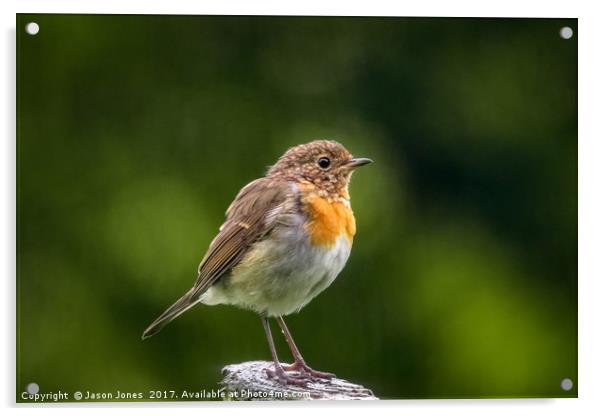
(299, 364)
(278, 372)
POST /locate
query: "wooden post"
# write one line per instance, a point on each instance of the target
(249, 381)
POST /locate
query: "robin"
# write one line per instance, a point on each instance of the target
(285, 239)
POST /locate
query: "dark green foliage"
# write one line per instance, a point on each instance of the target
(135, 133)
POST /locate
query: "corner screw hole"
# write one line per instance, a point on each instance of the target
(566, 32)
(32, 28)
(566, 384)
(33, 388)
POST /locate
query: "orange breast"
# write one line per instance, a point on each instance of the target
(328, 221)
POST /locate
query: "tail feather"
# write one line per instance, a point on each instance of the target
(182, 305)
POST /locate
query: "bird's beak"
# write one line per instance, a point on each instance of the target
(358, 161)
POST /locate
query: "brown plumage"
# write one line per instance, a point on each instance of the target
(245, 223)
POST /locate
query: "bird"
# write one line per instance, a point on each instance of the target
(285, 239)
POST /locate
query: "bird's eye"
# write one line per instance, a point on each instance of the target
(324, 162)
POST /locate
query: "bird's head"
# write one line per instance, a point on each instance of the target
(324, 164)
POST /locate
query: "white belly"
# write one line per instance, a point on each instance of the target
(281, 274)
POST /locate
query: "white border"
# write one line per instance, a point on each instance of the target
(590, 183)
(508, 8)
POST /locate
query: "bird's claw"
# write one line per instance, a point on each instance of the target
(281, 376)
(302, 368)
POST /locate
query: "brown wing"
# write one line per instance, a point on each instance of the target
(252, 214)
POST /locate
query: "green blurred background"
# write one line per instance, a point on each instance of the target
(136, 132)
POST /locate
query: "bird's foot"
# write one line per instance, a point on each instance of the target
(303, 368)
(279, 374)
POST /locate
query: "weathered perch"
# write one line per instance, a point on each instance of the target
(249, 381)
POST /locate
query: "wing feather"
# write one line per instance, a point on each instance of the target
(250, 217)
